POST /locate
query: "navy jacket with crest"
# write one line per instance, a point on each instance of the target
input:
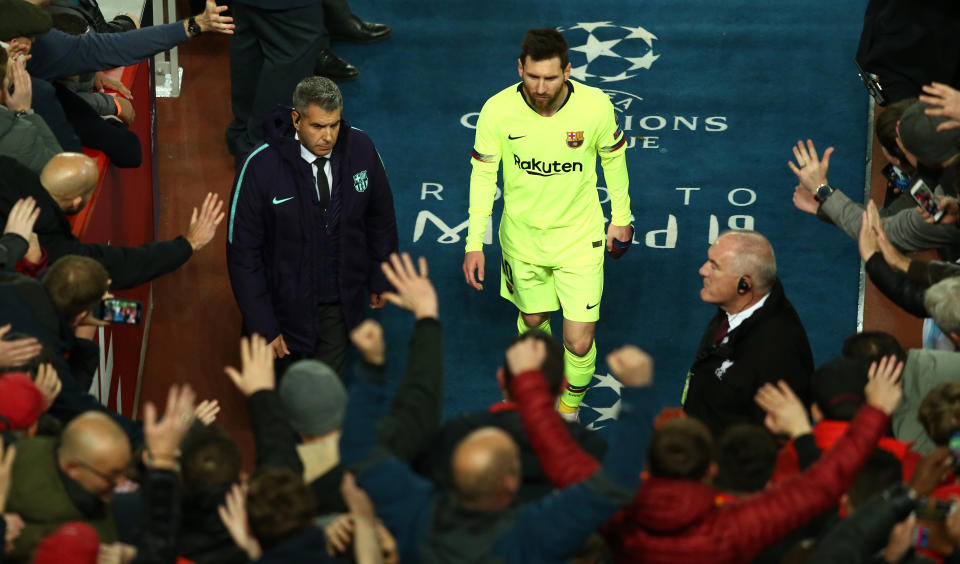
(276, 232)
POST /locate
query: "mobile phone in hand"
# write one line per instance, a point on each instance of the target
(923, 195)
(119, 310)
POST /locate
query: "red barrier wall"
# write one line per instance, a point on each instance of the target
(121, 212)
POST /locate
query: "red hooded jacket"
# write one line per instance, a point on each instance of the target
(677, 521)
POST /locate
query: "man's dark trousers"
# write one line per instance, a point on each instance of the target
(270, 52)
(331, 347)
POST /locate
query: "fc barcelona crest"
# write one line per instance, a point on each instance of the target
(574, 139)
(360, 181)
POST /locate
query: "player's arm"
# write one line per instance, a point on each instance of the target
(612, 148)
(483, 190)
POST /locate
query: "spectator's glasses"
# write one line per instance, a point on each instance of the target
(113, 478)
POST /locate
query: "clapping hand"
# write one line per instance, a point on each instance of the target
(414, 291)
(786, 414)
(256, 361)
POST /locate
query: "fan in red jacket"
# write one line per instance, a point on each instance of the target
(836, 389)
(673, 518)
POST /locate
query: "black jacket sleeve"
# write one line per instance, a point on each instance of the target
(417, 406)
(274, 439)
(159, 518)
(858, 537)
(807, 450)
(128, 266)
(901, 289)
(12, 249)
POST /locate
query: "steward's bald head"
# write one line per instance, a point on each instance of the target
(69, 176)
(486, 469)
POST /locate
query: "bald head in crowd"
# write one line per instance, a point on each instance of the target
(70, 178)
(94, 452)
(486, 469)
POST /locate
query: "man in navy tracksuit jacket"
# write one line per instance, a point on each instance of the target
(302, 264)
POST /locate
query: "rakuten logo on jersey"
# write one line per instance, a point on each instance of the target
(544, 168)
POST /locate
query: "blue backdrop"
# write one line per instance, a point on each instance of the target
(712, 96)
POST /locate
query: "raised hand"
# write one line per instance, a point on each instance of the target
(207, 411)
(631, 366)
(867, 242)
(48, 382)
(947, 102)
(23, 216)
(525, 355)
(234, 517)
(256, 361)
(211, 20)
(22, 98)
(368, 338)
(339, 534)
(414, 291)
(810, 170)
(19, 351)
(883, 389)
(6, 469)
(786, 414)
(203, 224)
(163, 437)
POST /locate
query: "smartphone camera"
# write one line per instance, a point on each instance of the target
(118, 310)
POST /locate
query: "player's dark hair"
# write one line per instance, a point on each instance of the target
(881, 470)
(871, 346)
(681, 449)
(746, 457)
(552, 365)
(542, 44)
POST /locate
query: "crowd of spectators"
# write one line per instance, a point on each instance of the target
(855, 461)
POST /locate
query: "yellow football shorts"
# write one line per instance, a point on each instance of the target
(539, 289)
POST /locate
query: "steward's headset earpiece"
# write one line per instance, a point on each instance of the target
(743, 286)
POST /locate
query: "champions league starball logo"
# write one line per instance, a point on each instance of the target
(603, 52)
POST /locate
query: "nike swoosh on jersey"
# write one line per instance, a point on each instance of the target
(511, 137)
(276, 201)
(593, 306)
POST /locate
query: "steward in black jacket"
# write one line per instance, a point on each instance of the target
(769, 345)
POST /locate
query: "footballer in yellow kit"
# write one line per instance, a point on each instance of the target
(548, 131)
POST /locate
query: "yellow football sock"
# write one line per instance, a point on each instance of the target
(579, 371)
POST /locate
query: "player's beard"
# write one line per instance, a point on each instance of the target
(544, 104)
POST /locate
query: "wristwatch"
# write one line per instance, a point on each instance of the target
(823, 192)
(193, 27)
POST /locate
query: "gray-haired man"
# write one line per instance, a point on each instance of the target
(311, 219)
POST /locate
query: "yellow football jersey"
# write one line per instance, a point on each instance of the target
(551, 209)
